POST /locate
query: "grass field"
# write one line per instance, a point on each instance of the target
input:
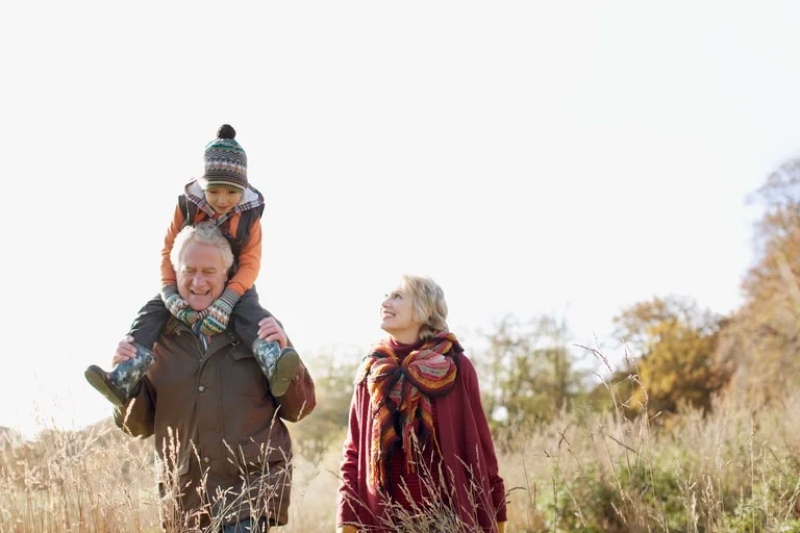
(732, 471)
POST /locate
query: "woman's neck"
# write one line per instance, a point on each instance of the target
(402, 349)
(405, 338)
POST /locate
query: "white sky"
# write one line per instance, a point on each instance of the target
(533, 157)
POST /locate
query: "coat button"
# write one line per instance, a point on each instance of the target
(201, 388)
(206, 460)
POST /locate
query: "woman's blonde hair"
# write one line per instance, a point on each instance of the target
(429, 304)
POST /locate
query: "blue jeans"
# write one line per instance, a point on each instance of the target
(247, 526)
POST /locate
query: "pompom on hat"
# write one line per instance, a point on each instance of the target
(226, 161)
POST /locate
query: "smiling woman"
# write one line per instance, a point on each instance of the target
(416, 413)
(414, 297)
(398, 317)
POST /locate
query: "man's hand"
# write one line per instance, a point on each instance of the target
(270, 330)
(125, 350)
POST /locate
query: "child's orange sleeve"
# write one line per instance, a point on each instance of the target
(249, 262)
(167, 270)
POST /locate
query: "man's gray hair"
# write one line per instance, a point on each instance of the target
(205, 232)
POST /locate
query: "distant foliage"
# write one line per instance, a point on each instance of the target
(527, 373)
(333, 381)
(676, 342)
(762, 341)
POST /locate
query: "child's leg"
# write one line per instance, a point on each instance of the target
(122, 381)
(278, 365)
(246, 315)
(149, 322)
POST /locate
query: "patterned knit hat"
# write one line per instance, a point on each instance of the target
(226, 162)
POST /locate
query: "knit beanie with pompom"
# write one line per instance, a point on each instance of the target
(225, 160)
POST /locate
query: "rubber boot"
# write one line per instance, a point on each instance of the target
(278, 365)
(119, 384)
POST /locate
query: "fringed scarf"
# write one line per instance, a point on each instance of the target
(403, 389)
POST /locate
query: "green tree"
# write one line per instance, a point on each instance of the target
(527, 372)
(676, 341)
(763, 340)
(333, 382)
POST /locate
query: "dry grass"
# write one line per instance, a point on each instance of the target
(732, 471)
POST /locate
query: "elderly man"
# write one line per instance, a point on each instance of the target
(223, 448)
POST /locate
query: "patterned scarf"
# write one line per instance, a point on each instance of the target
(194, 319)
(402, 390)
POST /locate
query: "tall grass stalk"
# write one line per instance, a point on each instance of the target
(734, 470)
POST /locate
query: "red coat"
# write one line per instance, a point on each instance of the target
(466, 445)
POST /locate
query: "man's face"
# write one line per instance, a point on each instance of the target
(201, 275)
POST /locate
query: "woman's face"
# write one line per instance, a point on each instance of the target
(398, 317)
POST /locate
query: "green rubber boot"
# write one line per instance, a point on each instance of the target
(278, 365)
(123, 380)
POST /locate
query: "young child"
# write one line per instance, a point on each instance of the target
(223, 195)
